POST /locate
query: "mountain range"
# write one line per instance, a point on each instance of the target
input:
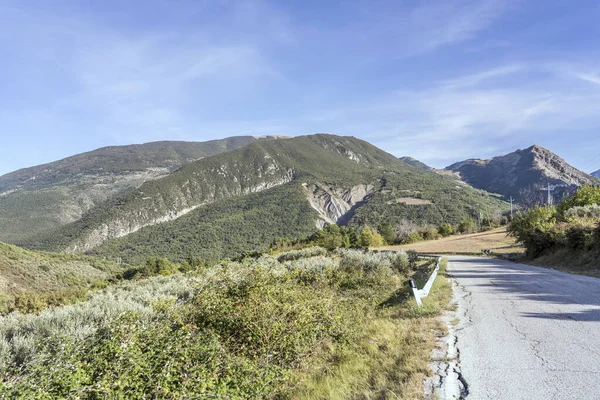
(54, 194)
(596, 174)
(220, 198)
(242, 199)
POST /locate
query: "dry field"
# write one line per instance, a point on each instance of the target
(495, 240)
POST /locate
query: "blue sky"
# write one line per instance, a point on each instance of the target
(437, 80)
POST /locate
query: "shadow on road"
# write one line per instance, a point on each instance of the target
(524, 282)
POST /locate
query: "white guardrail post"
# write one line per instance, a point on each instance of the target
(420, 293)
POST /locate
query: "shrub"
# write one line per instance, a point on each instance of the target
(387, 232)
(431, 233)
(370, 238)
(576, 214)
(533, 229)
(241, 330)
(333, 237)
(584, 196)
(580, 237)
(413, 238)
(304, 253)
(467, 226)
(445, 229)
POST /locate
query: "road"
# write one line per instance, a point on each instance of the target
(526, 332)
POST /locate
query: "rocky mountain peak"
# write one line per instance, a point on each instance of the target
(510, 173)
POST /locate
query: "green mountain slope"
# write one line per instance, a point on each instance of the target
(512, 173)
(242, 199)
(41, 273)
(220, 230)
(51, 195)
(414, 162)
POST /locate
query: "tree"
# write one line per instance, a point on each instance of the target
(387, 231)
(445, 229)
(370, 238)
(467, 226)
(404, 230)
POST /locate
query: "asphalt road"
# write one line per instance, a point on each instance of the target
(526, 332)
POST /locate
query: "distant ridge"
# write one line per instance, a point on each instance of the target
(596, 174)
(51, 195)
(415, 163)
(241, 200)
(511, 173)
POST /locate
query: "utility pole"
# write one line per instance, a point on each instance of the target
(511, 206)
(549, 189)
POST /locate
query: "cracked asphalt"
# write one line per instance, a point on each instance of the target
(526, 332)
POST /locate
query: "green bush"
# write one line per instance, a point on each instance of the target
(445, 230)
(584, 196)
(580, 237)
(414, 237)
(369, 237)
(386, 230)
(467, 226)
(303, 253)
(334, 237)
(431, 233)
(533, 229)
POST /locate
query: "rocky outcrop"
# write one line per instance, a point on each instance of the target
(511, 173)
(334, 204)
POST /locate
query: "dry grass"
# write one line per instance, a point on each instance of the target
(391, 360)
(569, 260)
(495, 240)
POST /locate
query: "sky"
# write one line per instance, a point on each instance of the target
(440, 81)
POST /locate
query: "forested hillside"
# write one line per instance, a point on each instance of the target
(241, 200)
(54, 194)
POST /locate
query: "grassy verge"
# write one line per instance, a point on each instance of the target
(390, 359)
(572, 261)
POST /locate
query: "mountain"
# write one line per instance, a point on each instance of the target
(51, 195)
(242, 199)
(596, 174)
(515, 172)
(414, 162)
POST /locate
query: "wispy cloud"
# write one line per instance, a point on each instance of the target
(447, 22)
(470, 114)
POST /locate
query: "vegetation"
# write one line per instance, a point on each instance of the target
(227, 182)
(221, 230)
(571, 227)
(30, 281)
(48, 196)
(292, 325)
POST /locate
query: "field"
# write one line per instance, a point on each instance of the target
(495, 240)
